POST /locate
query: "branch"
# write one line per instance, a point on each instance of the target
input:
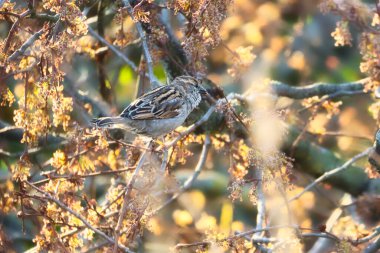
(46, 17)
(260, 203)
(322, 244)
(106, 91)
(203, 119)
(153, 79)
(373, 247)
(191, 128)
(66, 234)
(189, 182)
(175, 59)
(85, 222)
(72, 177)
(9, 128)
(355, 181)
(369, 237)
(266, 240)
(27, 69)
(96, 247)
(13, 133)
(317, 89)
(341, 134)
(10, 14)
(99, 106)
(332, 172)
(189, 245)
(26, 45)
(13, 29)
(374, 156)
(128, 190)
(113, 49)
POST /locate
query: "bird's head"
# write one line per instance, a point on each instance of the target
(190, 84)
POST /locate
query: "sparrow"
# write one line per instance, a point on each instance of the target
(159, 111)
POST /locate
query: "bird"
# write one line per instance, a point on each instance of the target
(160, 111)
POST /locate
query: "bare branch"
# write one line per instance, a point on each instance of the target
(164, 163)
(128, 190)
(4, 77)
(331, 173)
(47, 196)
(153, 79)
(72, 177)
(318, 89)
(373, 247)
(13, 29)
(9, 128)
(261, 239)
(342, 134)
(113, 48)
(66, 234)
(323, 244)
(26, 45)
(375, 233)
(189, 182)
(10, 14)
(203, 119)
(191, 128)
(96, 247)
(260, 203)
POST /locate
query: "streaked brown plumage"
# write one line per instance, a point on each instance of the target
(159, 111)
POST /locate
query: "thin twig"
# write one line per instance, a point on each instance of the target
(191, 128)
(332, 96)
(341, 134)
(189, 182)
(331, 173)
(153, 79)
(113, 49)
(4, 77)
(322, 244)
(9, 128)
(128, 190)
(204, 118)
(373, 247)
(94, 174)
(375, 233)
(10, 14)
(260, 239)
(164, 162)
(302, 133)
(61, 236)
(13, 30)
(47, 196)
(29, 42)
(96, 247)
(260, 203)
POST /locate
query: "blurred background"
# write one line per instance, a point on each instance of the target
(286, 40)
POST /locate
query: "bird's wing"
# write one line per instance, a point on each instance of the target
(161, 103)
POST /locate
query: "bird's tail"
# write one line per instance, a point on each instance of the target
(106, 122)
